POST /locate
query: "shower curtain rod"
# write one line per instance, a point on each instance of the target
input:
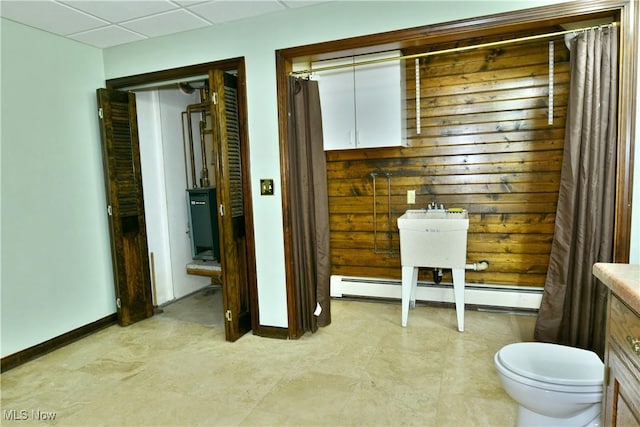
(452, 50)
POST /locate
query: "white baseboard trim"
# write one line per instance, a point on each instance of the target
(519, 297)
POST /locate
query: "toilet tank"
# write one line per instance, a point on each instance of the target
(433, 238)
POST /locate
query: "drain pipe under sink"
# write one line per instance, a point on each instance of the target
(477, 266)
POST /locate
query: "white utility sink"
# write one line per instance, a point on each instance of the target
(434, 238)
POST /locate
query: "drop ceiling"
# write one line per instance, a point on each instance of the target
(109, 23)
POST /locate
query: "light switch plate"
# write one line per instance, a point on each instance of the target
(266, 187)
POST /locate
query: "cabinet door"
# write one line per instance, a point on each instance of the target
(622, 397)
(622, 394)
(361, 106)
(378, 100)
(337, 103)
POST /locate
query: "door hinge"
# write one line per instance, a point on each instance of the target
(214, 98)
(221, 209)
(228, 315)
(109, 210)
(607, 373)
(118, 303)
(100, 113)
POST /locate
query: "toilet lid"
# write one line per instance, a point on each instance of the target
(553, 363)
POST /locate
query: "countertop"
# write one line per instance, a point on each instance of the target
(623, 280)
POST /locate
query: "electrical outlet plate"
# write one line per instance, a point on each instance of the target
(266, 187)
(411, 197)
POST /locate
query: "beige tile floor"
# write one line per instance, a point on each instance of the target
(363, 369)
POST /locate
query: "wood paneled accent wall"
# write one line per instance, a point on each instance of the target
(484, 145)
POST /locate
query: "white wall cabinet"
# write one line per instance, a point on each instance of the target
(362, 107)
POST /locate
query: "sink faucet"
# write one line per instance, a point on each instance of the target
(434, 205)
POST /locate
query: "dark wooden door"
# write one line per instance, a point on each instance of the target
(125, 208)
(228, 147)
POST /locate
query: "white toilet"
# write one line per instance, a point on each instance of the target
(554, 385)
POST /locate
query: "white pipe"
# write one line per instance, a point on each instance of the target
(477, 266)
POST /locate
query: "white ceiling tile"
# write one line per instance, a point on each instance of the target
(301, 3)
(189, 2)
(227, 10)
(90, 21)
(49, 16)
(107, 36)
(118, 11)
(166, 23)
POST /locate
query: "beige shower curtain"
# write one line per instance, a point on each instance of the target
(309, 209)
(573, 305)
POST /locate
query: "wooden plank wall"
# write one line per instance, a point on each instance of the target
(484, 145)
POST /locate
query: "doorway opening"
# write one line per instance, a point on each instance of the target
(180, 205)
(193, 149)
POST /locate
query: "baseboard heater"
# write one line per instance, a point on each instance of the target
(514, 297)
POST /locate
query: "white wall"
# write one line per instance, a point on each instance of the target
(257, 40)
(155, 200)
(634, 255)
(56, 261)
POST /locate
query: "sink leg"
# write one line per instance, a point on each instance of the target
(409, 283)
(414, 286)
(458, 294)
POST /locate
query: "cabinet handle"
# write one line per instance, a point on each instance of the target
(634, 343)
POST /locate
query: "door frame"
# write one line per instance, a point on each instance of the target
(625, 11)
(186, 72)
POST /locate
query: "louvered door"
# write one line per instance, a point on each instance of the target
(125, 208)
(231, 205)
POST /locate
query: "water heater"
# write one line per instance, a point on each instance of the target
(203, 223)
